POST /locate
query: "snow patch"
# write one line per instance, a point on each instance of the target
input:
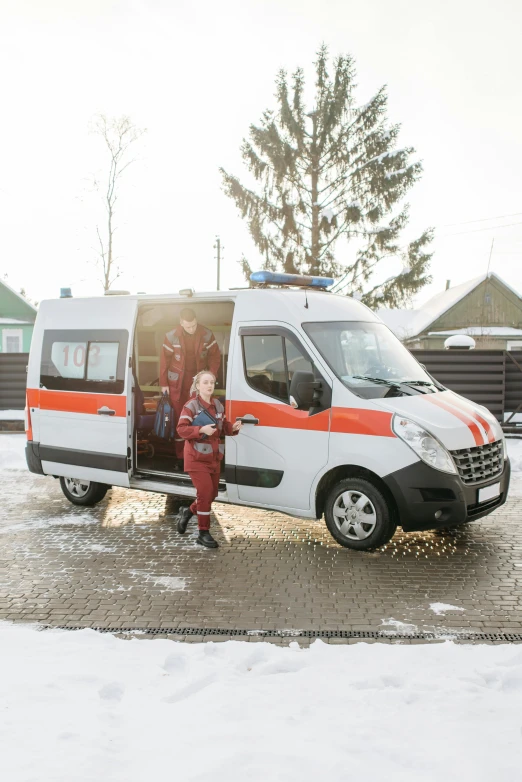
(107, 708)
(12, 415)
(101, 549)
(71, 519)
(442, 608)
(400, 627)
(12, 452)
(171, 583)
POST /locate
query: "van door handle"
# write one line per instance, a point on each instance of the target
(106, 411)
(248, 419)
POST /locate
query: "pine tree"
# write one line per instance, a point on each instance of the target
(327, 173)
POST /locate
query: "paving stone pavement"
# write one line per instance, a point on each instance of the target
(123, 564)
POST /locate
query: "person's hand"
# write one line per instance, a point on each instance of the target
(237, 426)
(208, 429)
(164, 389)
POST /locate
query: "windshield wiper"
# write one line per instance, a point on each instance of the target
(382, 380)
(390, 382)
(394, 383)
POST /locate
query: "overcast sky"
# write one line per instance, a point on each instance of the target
(196, 75)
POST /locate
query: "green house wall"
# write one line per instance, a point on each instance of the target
(503, 309)
(12, 306)
(27, 333)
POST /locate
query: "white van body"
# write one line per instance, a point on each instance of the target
(294, 457)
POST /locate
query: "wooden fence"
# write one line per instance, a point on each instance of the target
(13, 380)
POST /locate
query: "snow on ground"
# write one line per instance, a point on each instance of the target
(12, 452)
(515, 457)
(12, 415)
(442, 608)
(82, 706)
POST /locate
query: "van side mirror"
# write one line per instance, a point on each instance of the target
(305, 389)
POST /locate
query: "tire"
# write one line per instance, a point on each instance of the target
(358, 515)
(80, 492)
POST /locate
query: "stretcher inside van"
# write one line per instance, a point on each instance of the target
(341, 421)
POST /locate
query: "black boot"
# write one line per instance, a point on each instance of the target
(184, 516)
(205, 539)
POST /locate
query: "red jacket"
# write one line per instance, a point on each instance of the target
(172, 360)
(203, 454)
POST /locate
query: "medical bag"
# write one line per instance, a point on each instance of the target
(165, 422)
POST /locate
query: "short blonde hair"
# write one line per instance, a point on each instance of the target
(197, 378)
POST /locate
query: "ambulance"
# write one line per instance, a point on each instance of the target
(340, 420)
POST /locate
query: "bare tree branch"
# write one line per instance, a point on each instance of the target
(117, 134)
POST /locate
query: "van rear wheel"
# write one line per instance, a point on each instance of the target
(358, 515)
(82, 492)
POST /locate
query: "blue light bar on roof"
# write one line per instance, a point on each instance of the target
(278, 278)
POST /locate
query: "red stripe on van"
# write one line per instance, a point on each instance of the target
(464, 417)
(473, 414)
(278, 415)
(29, 430)
(75, 402)
(343, 419)
(357, 420)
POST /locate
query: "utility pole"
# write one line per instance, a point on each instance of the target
(218, 248)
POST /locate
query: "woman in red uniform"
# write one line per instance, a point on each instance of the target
(203, 453)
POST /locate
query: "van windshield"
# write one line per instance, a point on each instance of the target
(369, 359)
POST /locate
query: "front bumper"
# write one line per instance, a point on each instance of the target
(421, 491)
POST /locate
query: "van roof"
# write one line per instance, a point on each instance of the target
(321, 304)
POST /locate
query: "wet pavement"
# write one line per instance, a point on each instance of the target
(122, 564)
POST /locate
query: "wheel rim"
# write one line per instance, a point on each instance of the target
(76, 487)
(355, 515)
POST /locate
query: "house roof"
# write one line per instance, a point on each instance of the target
(15, 322)
(399, 321)
(18, 295)
(479, 331)
(409, 323)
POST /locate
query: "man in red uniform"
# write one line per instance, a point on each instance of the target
(186, 350)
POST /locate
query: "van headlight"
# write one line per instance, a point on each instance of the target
(423, 443)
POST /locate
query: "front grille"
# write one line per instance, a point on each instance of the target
(483, 507)
(479, 464)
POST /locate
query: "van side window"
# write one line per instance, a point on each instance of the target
(91, 361)
(265, 365)
(296, 361)
(276, 365)
(103, 361)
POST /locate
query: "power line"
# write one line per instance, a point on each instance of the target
(475, 230)
(481, 220)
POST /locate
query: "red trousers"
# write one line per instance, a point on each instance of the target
(206, 485)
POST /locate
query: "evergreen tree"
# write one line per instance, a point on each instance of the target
(327, 173)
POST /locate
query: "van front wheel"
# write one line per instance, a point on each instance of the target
(358, 515)
(81, 492)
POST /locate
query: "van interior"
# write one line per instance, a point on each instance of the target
(155, 457)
